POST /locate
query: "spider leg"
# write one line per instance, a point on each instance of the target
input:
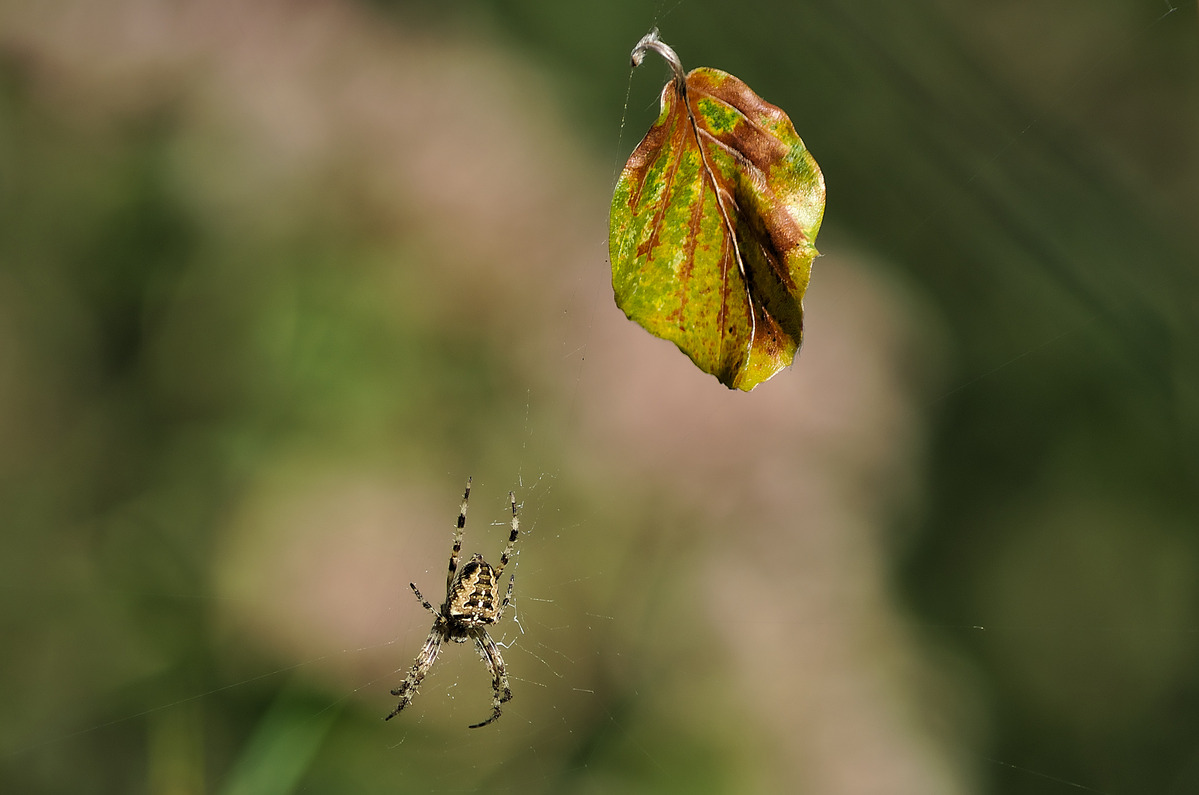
(424, 661)
(499, 676)
(507, 598)
(424, 601)
(457, 551)
(506, 555)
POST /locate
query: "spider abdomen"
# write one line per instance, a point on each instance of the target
(473, 598)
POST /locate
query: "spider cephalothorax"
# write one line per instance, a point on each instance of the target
(471, 603)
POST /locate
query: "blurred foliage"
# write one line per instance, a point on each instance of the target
(1028, 167)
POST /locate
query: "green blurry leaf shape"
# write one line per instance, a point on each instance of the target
(281, 749)
(712, 226)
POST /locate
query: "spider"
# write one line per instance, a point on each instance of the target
(471, 597)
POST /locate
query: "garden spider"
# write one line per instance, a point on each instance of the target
(470, 605)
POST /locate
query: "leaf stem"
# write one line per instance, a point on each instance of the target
(651, 41)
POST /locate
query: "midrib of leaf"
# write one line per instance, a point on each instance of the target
(681, 88)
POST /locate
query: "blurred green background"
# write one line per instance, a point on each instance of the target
(276, 277)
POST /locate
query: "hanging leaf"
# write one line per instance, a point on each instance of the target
(712, 225)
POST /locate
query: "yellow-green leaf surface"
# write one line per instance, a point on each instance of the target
(712, 226)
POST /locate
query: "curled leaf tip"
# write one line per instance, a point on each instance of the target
(638, 54)
(652, 41)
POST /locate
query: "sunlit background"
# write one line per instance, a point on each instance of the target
(276, 277)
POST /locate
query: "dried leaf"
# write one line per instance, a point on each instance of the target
(712, 225)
